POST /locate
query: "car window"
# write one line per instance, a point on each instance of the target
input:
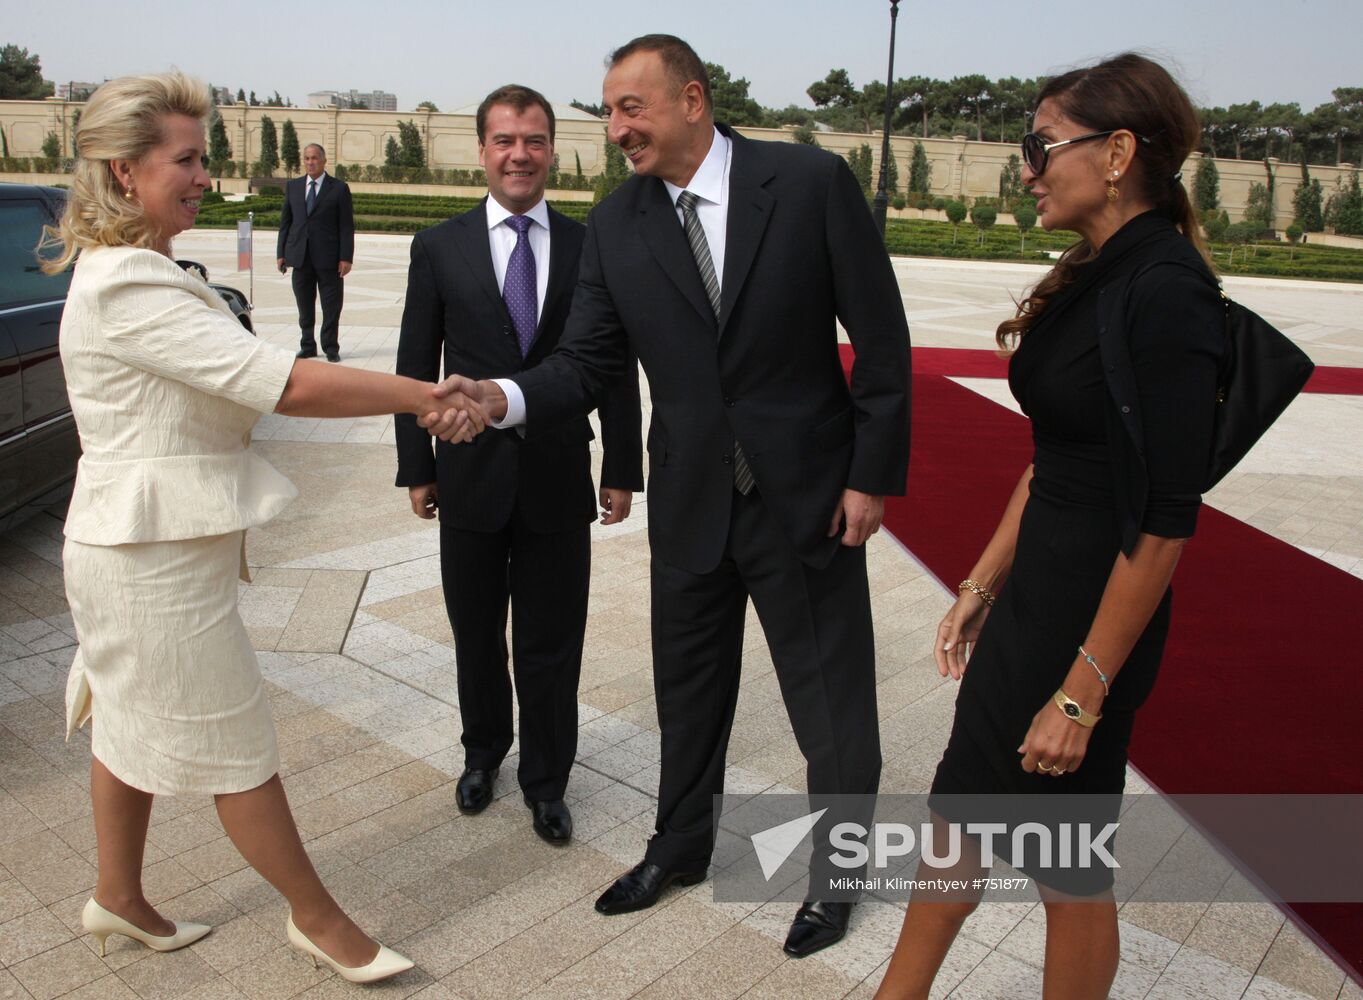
(21, 282)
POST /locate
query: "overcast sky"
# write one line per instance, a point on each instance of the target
(453, 52)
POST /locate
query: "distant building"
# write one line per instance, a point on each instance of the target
(373, 100)
(73, 91)
(223, 95)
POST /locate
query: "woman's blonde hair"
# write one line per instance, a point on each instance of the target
(124, 120)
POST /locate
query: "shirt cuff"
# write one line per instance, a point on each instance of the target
(515, 404)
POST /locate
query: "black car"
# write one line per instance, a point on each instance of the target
(38, 443)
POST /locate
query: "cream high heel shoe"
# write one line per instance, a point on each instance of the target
(100, 923)
(385, 964)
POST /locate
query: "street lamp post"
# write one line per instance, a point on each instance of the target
(882, 198)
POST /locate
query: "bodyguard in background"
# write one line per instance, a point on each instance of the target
(491, 290)
(317, 240)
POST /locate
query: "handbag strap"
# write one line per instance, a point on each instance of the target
(1227, 366)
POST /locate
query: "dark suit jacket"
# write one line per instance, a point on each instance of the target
(324, 238)
(453, 304)
(801, 252)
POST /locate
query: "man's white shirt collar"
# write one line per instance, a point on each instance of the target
(497, 214)
(710, 182)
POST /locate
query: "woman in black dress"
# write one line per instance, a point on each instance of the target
(1122, 419)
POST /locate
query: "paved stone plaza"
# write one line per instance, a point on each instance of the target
(346, 612)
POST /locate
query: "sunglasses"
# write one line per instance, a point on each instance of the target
(1036, 151)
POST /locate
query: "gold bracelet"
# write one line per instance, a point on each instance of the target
(978, 589)
(1074, 711)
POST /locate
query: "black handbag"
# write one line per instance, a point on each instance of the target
(1261, 373)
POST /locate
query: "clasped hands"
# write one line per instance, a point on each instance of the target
(459, 408)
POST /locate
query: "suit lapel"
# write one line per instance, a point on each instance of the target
(560, 279)
(666, 240)
(472, 240)
(750, 208)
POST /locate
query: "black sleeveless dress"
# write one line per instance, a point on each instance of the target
(1068, 542)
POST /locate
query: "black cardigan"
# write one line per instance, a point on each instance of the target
(1160, 338)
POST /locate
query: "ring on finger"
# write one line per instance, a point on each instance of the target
(1043, 767)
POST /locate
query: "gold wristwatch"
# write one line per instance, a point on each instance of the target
(1075, 711)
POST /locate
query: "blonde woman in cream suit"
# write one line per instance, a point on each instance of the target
(165, 386)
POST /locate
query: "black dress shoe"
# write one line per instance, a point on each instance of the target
(640, 887)
(305, 353)
(474, 791)
(816, 926)
(552, 821)
(333, 356)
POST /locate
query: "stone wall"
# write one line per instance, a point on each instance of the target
(961, 168)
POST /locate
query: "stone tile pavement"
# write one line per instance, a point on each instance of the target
(346, 613)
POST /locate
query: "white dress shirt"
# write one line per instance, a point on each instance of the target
(502, 240)
(710, 185)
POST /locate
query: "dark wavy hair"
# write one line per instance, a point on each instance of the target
(1131, 92)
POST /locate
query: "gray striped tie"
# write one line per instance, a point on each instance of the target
(700, 249)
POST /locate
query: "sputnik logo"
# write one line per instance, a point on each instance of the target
(776, 844)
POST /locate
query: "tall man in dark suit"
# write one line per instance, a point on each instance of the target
(491, 289)
(317, 240)
(724, 264)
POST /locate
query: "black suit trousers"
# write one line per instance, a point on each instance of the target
(818, 627)
(308, 280)
(543, 578)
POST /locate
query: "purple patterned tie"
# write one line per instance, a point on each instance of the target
(519, 291)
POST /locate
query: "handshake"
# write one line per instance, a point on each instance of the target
(459, 408)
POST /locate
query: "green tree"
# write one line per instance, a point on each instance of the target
(392, 153)
(592, 109)
(975, 95)
(1349, 209)
(241, 95)
(1206, 185)
(1010, 182)
(4, 145)
(269, 147)
(984, 217)
(1306, 203)
(920, 170)
(275, 102)
(252, 101)
(577, 161)
(891, 175)
(412, 151)
(731, 100)
(834, 90)
(219, 149)
(859, 159)
(1294, 235)
(52, 146)
(288, 147)
(804, 134)
(1259, 208)
(1240, 235)
(615, 174)
(21, 76)
(956, 212)
(427, 106)
(1216, 226)
(1025, 217)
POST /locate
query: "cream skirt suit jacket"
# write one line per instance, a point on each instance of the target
(165, 386)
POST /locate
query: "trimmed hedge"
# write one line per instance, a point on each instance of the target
(407, 213)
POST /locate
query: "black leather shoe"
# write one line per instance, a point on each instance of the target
(333, 356)
(474, 791)
(552, 821)
(816, 926)
(640, 887)
(305, 353)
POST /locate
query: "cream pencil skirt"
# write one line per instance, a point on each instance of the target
(165, 667)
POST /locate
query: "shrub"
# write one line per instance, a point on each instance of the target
(984, 217)
(899, 202)
(939, 203)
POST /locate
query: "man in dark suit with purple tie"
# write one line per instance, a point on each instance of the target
(490, 289)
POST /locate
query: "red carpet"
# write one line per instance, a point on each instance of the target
(961, 362)
(1258, 691)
